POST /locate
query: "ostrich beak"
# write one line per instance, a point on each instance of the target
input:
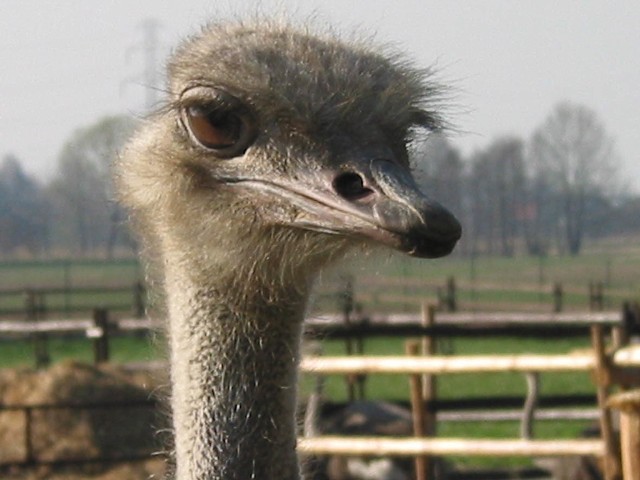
(397, 213)
(377, 200)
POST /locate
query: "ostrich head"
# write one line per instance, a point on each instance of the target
(278, 144)
(277, 151)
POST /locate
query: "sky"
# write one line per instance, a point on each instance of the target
(65, 64)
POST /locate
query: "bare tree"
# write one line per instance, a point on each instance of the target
(439, 171)
(23, 210)
(82, 187)
(496, 187)
(539, 216)
(573, 154)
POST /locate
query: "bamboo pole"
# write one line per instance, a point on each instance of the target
(443, 364)
(409, 447)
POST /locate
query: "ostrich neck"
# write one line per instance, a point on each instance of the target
(234, 362)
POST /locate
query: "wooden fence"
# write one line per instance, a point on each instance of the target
(98, 329)
(420, 369)
(67, 299)
(350, 327)
(423, 367)
(448, 295)
(36, 303)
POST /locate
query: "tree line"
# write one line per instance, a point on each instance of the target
(75, 212)
(543, 194)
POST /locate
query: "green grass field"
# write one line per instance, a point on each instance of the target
(394, 284)
(495, 283)
(73, 282)
(385, 387)
(383, 282)
(21, 353)
(58, 273)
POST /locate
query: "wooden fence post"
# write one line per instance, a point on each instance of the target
(530, 405)
(429, 382)
(417, 412)
(612, 468)
(631, 315)
(29, 455)
(596, 296)
(355, 383)
(101, 340)
(138, 300)
(621, 333)
(66, 269)
(629, 405)
(557, 297)
(600, 296)
(359, 344)
(34, 310)
(447, 299)
(452, 303)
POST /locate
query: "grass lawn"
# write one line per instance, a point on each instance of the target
(18, 276)
(390, 387)
(385, 387)
(58, 273)
(488, 283)
(496, 283)
(129, 349)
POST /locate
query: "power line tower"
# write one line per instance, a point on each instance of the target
(150, 48)
(149, 78)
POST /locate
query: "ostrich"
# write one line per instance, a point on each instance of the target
(278, 150)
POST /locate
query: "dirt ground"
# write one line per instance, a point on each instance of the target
(81, 412)
(149, 469)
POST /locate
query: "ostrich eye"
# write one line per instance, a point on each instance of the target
(214, 129)
(221, 125)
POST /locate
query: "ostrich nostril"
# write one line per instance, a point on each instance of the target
(350, 186)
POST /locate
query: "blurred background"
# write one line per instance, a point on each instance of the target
(543, 103)
(541, 164)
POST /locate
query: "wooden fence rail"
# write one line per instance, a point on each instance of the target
(45, 301)
(373, 288)
(411, 447)
(102, 325)
(447, 364)
(98, 329)
(606, 373)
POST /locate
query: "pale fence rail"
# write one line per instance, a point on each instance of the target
(447, 364)
(97, 327)
(605, 373)
(412, 447)
(584, 319)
